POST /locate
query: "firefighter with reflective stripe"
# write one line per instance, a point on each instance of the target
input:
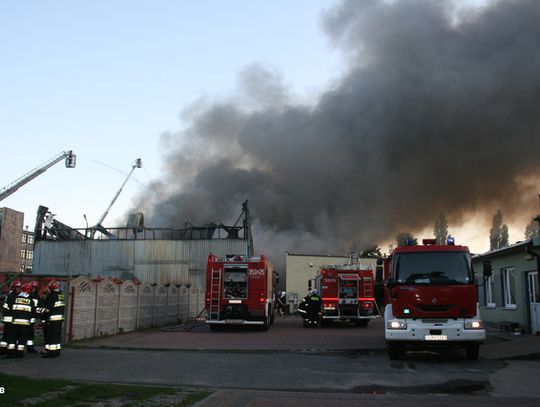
(310, 309)
(7, 318)
(22, 311)
(53, 306)
(37, 304)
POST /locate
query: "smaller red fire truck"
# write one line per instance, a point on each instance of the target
(347, 293)
(240, 291)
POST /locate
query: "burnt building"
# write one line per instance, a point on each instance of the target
(151, 255)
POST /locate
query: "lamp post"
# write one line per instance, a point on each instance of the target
(86, 230)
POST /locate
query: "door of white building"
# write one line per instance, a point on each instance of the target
(534, 301)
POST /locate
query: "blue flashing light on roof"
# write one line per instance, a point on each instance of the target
(409, 242)
(450, 241)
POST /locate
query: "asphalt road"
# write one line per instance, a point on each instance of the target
(317, 366)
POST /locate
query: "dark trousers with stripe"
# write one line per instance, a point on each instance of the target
(52, 336)
(6, 337)
(19, 336)
(30, 339)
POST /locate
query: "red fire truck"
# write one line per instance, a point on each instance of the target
(431, 298)
(347, 293)
(240, 291)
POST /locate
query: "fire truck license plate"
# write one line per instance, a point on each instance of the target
(436, 338)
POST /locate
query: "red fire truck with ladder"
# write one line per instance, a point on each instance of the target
(240, 291)
(347, 292)
(431, 298)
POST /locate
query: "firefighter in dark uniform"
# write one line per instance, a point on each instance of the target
(310, 309)
(53, 313)
(7, 318)
(37, 305)
(22, 311)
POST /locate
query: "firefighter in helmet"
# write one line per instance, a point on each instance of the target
(53, 314)
(37, 306)
(281, 304)
(22, 311)
(310, 309)
(7, 318)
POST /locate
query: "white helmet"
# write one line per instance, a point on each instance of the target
(314, 291)
(282, 294)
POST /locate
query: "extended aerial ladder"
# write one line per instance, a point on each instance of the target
(98, 226)
(70, 160)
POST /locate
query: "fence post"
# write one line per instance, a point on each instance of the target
(119, 314)
(137, 323)
(96, 285)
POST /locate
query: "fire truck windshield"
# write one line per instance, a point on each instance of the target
(433, 268)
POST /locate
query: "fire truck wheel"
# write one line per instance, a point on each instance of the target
(472, 350)
(395, 350)
(362, 323)
(266, 324)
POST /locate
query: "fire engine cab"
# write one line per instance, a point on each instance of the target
(431, 298)
(347, 293)
(240, 291)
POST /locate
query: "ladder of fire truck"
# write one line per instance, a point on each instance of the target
(99, 225)
(368, 287)
(70, 160)
(370, 293)
(215, 295)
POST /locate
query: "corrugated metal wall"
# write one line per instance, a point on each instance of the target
(151, 261)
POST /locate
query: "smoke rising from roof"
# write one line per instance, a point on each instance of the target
(431, 115)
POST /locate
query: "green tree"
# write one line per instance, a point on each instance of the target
(498, 234)
(532, 229)
(404, 237)
(504, 236)
(371, 251)
(440, 230)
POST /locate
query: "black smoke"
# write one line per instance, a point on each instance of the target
(434, 113)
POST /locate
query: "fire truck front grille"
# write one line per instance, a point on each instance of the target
(434, 321)
(235, 311)
(435, 308)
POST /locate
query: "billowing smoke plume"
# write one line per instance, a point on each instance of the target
(433, 114)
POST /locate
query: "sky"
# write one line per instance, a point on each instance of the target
(116, 81)
(108, 79)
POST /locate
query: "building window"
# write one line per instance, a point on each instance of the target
(489, 289)
(23, 254)
(30, 239)
(29, 254)
(24, 237)
(509, 288)
(22, 269)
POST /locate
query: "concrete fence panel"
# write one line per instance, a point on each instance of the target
(183, 303)
(160, 305)
(107, 308)
(127, 318)
(192, 302)
(83, 301)
(172, 304)
(146, 306)
(200, 300)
